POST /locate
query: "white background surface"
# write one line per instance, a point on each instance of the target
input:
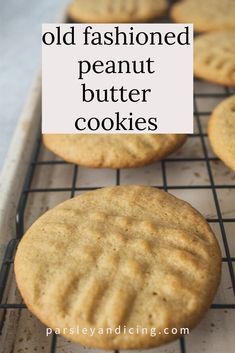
(20, 48)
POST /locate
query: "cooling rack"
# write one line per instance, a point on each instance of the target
(193, 173)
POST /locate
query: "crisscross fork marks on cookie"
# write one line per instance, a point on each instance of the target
(119, 256)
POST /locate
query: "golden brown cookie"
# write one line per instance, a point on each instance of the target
(113, 151)
(118, 11)
(221, 131)
(214, 57)
(206, 15)
(122, 256)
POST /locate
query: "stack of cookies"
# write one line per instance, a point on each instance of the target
(214, 61)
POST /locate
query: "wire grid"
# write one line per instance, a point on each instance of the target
(28, 189)
(214, 187)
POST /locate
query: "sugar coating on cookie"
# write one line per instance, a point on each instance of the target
(214, 57)
(108, 11)
(206, 15)
(113, 151)
(122, 256)
(221, 131)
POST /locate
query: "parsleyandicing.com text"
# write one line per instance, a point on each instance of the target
(138, 330)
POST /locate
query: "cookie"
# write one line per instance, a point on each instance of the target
(120, 257)
(206, 15)
(112, 151)
(214, 57)
(108, 11)
(221, 131)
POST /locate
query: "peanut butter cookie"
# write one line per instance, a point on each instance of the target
(214, 58)
(118, 258)
(113, 151)
(206, 15)
(221, 131)
(118, 11)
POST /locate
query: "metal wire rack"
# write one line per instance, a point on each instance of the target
(212, 185)
(203, 92)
